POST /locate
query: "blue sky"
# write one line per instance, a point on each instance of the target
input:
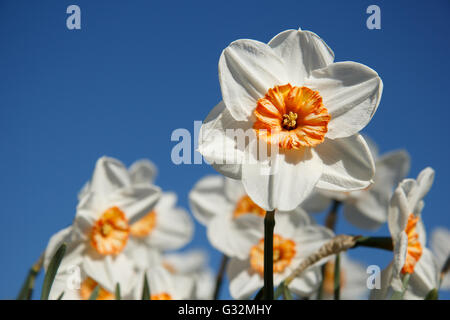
(137, 70)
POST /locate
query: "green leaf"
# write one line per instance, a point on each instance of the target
(337, 277)
(94, 294)
(279, 291)
(118, 292)
(27, 288)
(260, 294)
(375, 242)
(287, 293)
(61, 296)
(146, 289)
(432, 295)
(52, 270)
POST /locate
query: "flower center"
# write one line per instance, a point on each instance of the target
(292, 117)
(414, 250)
(328, 278)
(245, 205)
(283, 253)
(109, 235)
(88, 286)
(161, 296)
(290, 120)
(144, 226)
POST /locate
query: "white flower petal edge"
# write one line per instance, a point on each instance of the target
(440, 239)
(303, 49)
(351, 92)
(347, 164)
(247, 69)
(143, 171)
(207, 199)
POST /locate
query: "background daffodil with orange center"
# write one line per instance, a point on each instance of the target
(411, 256)
(222, 205)
(289, 93)
(108, 204)
(367, 208)
(296, 236)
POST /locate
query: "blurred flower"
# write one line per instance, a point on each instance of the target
(193, 264)
(79, 274)
(166, 227)
(367, 208)
(440, 244)
(409, 239)
(295, 238)
(108, 204)
(290, 94)
(220, 203)
(164, 285)
(353, 278)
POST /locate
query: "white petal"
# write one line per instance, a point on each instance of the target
(424, 278)
(174, 229)
(109, 175)
(141, 254)
(367, 213)
(307, 283)
(234, 190)
(347, 164)
(142, 171)
(135, 201)
(235, 237)
(288, 223)
(108, 271)
(316, 202)
(399, 209)
(424, 183)
(302, 52)
(391, 168)
(440, 240)
(247, 69)
(309, 239)
(207, 199)
(351, 92)
(400, 251)
(285, 182)
(222, 141)
(243, 282)
(187, 262)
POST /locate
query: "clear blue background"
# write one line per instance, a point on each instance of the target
(137, 70)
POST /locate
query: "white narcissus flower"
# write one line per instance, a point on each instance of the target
(368, 208)
(353, 279)
(295, 238)
(193, 264)
(79, 274)
(164, 285)
(409, 239)
(440, 245)
(290, 94)
(109, 204)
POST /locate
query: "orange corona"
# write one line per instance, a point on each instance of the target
(161, 296)
(283, 252)
(109, 234)
(293, 117)
(144, 226)
(414, 250)
(246, 205)
(88, 286)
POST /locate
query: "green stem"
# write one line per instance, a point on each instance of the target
(27, 288)
(219, 277)
(398, 295)
(337, 277)
(269, 224)
(375, 242)
(330, 221)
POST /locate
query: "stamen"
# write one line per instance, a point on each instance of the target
(290, 120)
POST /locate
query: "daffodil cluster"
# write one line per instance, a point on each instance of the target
(286, 140)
